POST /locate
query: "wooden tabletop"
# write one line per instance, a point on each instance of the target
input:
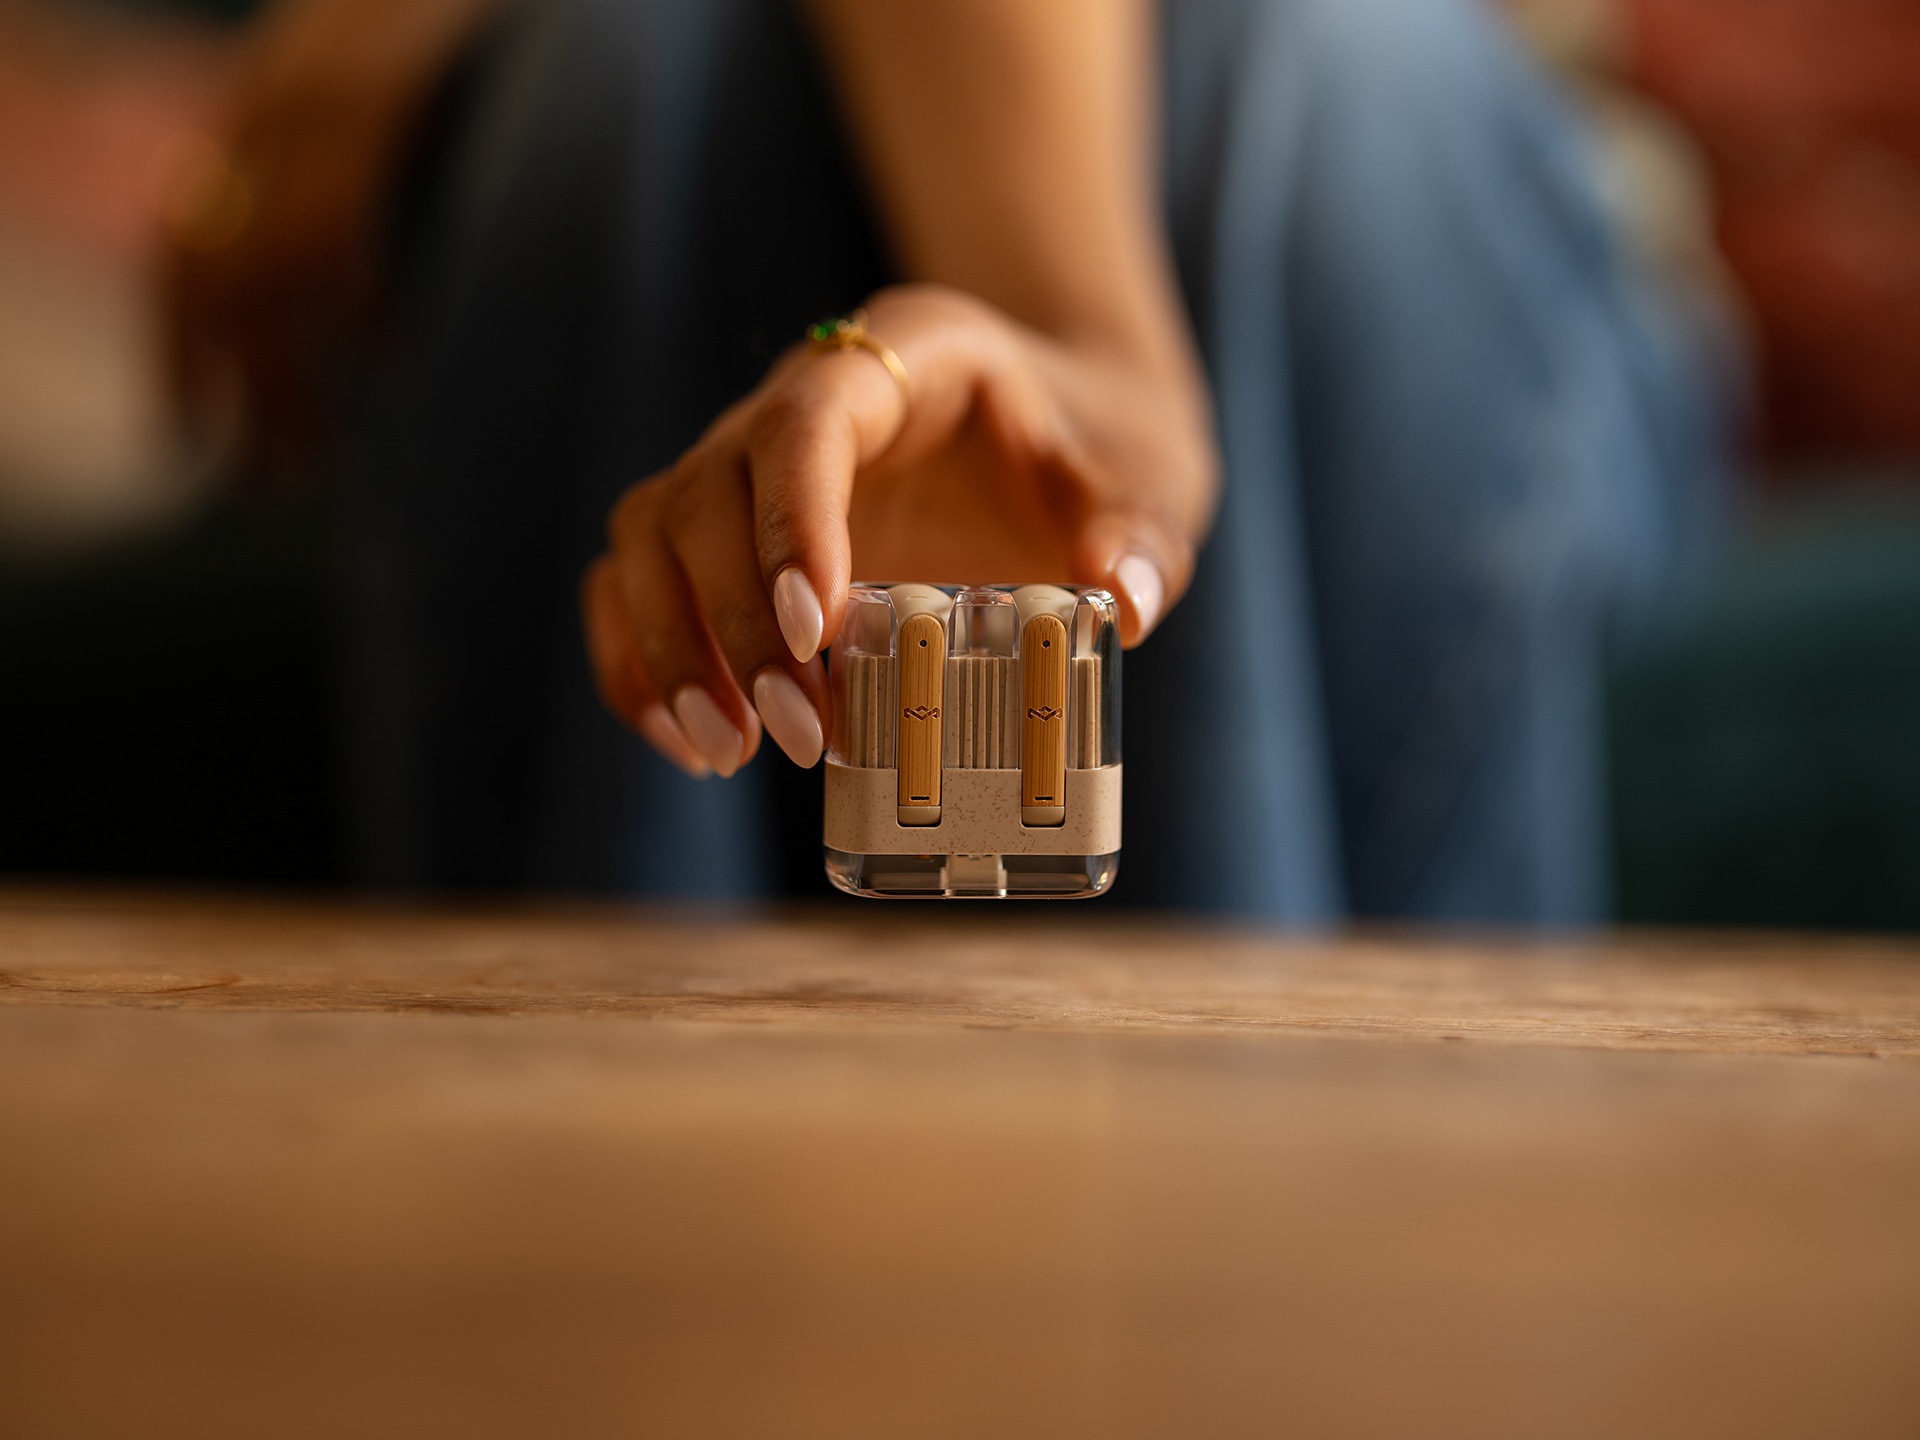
(312, 1170)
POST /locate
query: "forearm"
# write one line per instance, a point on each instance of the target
(1010, 145)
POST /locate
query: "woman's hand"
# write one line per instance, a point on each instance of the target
(1017, 458)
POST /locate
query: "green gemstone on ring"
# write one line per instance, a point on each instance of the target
(825, 330)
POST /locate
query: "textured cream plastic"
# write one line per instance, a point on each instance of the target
(982, 730)
(980, 814)
(863, 709)
(1084, 711)
(980, 712)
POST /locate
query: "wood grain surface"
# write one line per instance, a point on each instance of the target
(312, 1170)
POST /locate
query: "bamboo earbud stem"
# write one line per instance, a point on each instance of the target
(922, 649)
(1043, 723)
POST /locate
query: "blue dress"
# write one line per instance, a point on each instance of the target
(1460, 432)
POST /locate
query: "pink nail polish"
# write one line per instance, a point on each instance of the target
(789, 717)
(1140, 580)
(663, 732)
(798, 609)
(707, 726)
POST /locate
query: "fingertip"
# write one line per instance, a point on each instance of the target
(789, 716)
(833, 612)
(1143, 560)
(656, 723)
(752, 732)
(802, 619)
(714, 736)
(1142, 593)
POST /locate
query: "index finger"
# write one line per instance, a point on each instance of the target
(832, 413)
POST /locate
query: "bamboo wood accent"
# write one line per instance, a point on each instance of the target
(1043, 723)
(923, 668)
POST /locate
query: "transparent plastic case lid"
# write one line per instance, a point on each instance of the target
(975, 742)
(984, 634)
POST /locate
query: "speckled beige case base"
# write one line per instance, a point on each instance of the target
(980, 814)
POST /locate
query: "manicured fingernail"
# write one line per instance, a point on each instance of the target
(666, 736)
(799, 611)
(1144, 589)
(707, 726)
(790, 717)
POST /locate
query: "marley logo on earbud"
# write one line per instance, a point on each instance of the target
(922, 712)
(1045, 712)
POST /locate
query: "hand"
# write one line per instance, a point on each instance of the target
(271, 254)
(1018, 458)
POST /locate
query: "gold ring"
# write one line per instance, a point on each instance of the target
(848, 331)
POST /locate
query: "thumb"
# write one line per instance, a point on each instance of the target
(1144, 561)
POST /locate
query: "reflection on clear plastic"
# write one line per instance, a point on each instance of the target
(972, 877)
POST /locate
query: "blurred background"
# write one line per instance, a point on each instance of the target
(165, 694)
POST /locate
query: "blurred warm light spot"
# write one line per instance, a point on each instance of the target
(1809, 114)
(100, 111)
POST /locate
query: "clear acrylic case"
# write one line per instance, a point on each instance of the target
(975, 744)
